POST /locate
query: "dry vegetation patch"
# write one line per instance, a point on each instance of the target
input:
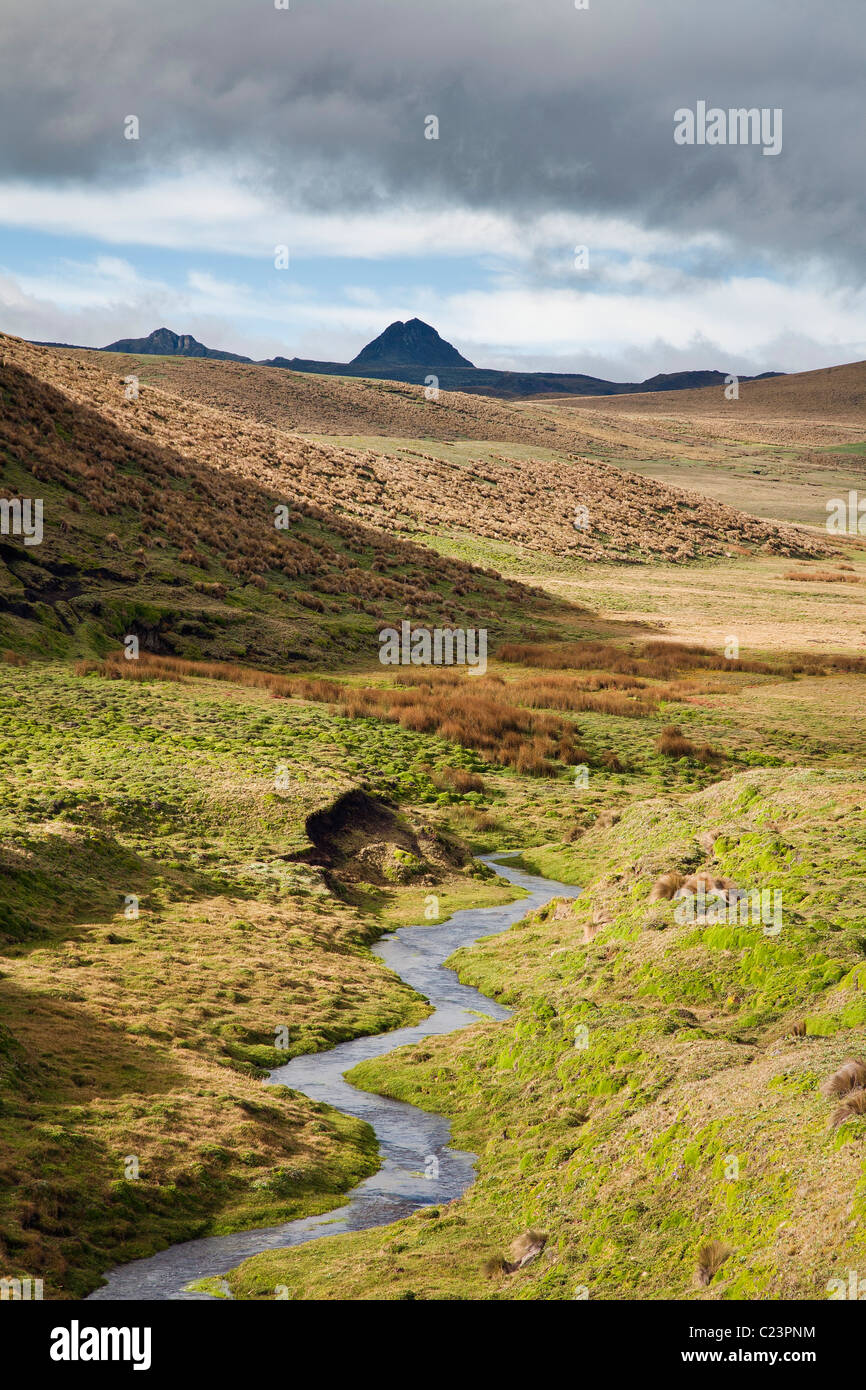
(525, 502)
(821, 576)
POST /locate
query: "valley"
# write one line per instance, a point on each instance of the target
(203, 848)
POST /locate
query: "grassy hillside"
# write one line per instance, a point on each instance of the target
(307, 403)
(495, 496)
(782, 450)
(152, 538)
(836, 394)
(198, 796)
(163, 913)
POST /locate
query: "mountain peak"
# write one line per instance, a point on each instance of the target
(163, 342)
(411, 344)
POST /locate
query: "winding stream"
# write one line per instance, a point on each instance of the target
(409, 1138)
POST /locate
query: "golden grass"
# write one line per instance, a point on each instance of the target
(822, 576)
(672, 743)
(666, 660)
(521, 501)
(148, 666)
(487, 721)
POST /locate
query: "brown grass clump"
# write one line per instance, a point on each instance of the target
(533, 763)
(546, 692)
(850, 1076)
(473, 712)
(311, 601)
(522, 1251)
(706, 883)
(822, 576)
(570, 753)
(711, 886)
(481, 820)
(706, 753)
(672, 743)
(711, 1257)
(457, 779)
(149, 666)
(694, 883)
(666, 886)
(853, 1105)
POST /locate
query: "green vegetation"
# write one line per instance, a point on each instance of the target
(692, 1112)
(160, 923)
(144, 1036)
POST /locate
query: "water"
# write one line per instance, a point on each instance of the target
(419, 1168)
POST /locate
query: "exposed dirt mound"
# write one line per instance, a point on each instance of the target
(362, 838)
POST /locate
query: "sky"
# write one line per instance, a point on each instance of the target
(307, 127)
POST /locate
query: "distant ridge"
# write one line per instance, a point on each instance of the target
(44, 342)
(414, 350)
(163, 343)
(488, 381)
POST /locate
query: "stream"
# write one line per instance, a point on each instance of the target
(418, 1168)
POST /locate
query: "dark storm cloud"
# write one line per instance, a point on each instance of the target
(541, 106)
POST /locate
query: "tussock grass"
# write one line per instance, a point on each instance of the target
(672, 743)
(479, 717)
(665, 661)
(823, 576)
(148, 666)
(458, 779)
(474, 712)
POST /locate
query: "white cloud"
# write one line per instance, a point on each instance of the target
(648, 303)
(103, 282)
(212, 212)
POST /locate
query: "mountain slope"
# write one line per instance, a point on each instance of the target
(836, 393)
(410, 344)
(310, 403)
(154, 537)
